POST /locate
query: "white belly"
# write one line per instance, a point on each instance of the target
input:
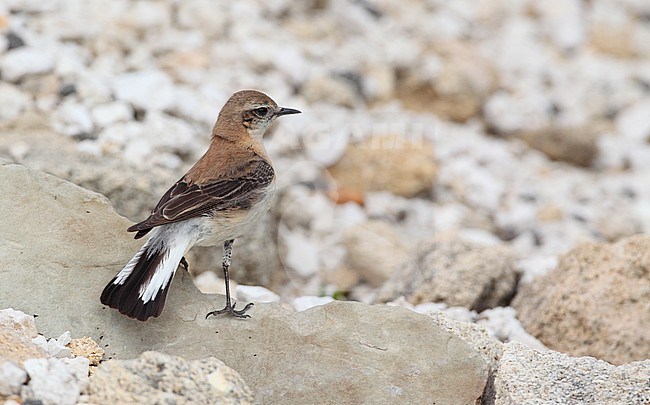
(215, 230)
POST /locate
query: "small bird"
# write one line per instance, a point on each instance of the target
(218, 200)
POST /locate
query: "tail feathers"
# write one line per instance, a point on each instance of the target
(139, 290)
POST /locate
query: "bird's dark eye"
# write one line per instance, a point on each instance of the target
(261, 111)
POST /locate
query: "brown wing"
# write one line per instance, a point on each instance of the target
(185, 200)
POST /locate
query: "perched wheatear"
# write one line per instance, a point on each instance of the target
(218, 200)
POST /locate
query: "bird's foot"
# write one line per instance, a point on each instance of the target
(230, 309)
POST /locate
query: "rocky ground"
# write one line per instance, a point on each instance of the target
(474, 175)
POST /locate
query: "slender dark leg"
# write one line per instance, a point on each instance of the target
(184, 264)
(227, 253)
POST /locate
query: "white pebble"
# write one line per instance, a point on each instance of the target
(72, 118)
(110, 113)
(19, 322)
(51, 381)
(309, 301)
(54, 347)
(13, 101)
(146, 89)
(634, 121)
(502, 323)
(302, 253)
(26, 61)
(253, 293)
(12, 378)
(79, 366)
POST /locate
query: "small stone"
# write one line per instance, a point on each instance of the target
(146, 89)
(253, 293)
(458, 90)
(79, 367)
(54, 347)
(634, 122)
(26, 61)
(16, 347)
(14, 41)
(611, 31)
(13, 101)
(457, 272)
(67, 89)
(379, 82)
(12, 378)
(191, 14)
(325, 145)
(378, 164)
(374, 250)
(502, 323)
(146, 15)
(209, 283)
(51, 382)
(563, 21)
(161, 378)
(301, 253)
(333, 90)
(73, 119)
(577, 146)
(507, 113)
(18, 150)
(550, 213)
(87, 348)
(110, 113)
(309, 301)
(342, 277)
(19, 322)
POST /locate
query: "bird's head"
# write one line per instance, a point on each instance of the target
(253, 109)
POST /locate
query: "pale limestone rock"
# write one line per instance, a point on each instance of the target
(529, 376)
(161, 378)
(372, 350)
(594, 303)
(375, 251)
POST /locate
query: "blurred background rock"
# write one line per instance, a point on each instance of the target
(519, 129)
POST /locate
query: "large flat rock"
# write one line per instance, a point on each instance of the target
(60, 244)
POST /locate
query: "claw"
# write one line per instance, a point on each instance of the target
(230, 309)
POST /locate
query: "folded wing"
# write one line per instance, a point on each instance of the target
(185, 200)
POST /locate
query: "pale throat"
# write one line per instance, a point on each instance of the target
(258, 132)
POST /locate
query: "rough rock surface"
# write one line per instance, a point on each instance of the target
(51, 382)
(378, 164)
(531, 377)
(374, 251)
(596, 302)
(87, 348)
(16, 333)
(457, 272)
(12, 378)
(361, 345)
(161, 378)
(18, 322)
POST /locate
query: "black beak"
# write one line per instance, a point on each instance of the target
(286, 111)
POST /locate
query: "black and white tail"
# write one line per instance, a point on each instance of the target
(140, 288)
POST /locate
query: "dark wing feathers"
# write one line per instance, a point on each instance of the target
(185, 200)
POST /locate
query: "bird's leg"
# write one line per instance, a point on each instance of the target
(184, 264)
(227, 253)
